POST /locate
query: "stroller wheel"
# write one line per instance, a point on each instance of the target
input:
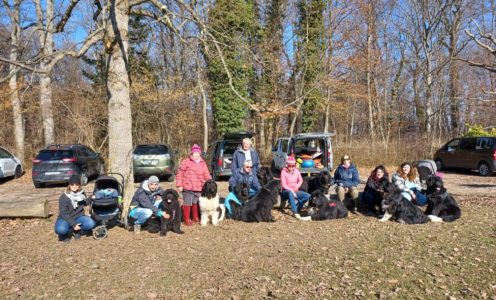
(100, 232)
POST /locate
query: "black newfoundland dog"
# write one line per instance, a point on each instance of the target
(169, 204)
(259, 208)
(398, 208)
(324, 209)
(440, 202)
(264, 175)
(321, 182)
(242, 192)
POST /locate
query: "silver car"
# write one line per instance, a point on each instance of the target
(9, 165)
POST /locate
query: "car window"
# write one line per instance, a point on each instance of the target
(4, 153)
(88, 151)
(453, 144)
(483, 143)
(54, 154)
(284, 146)
(467, 144)
(230, 147)
(151, 150)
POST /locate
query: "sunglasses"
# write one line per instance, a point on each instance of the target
(346, 159)
(246, 167)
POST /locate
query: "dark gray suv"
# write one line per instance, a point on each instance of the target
(56, 163)
(470, 153)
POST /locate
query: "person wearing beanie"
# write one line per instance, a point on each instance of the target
(347, 179)
(145, 203)
(190, 178)
(291, 182)
(245, 152)
(71, 220)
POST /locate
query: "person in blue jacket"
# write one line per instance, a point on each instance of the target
(243, 175)
(347, 179)
(245, 152)
(145, 203)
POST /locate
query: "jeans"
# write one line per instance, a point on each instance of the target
(420, 199)
(62, 227)
(301, 197)
(141, 215)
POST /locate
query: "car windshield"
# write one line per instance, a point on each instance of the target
(151, 150)
(54, 154)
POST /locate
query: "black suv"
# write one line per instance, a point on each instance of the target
(220, 153)
(56, 163)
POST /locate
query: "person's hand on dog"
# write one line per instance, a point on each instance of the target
(77, 227)
(165, 215)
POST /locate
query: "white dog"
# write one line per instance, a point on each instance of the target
(209, 204)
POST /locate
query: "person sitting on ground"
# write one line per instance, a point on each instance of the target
(245, 152)
(71, 219)
(372, 194)
(145, 203)
(291, 182)
(347, 179)
(245, 175)
(190, 178)
(406, 179)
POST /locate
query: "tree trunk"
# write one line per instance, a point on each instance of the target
(204, 111)
(46, 107)
(119, 111)
(369, 69)
(46, 42)
(15, 37)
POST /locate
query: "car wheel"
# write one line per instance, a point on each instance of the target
(84, 178)
(439, 164)
(38, 185)
(18, 172)
(484, 169)
(171, 178)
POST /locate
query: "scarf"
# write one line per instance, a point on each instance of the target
(76, 197)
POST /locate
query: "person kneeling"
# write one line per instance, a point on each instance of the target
(71, 218)
(145, 203)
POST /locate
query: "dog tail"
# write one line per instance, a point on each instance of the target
(433, 218)
(222, 212)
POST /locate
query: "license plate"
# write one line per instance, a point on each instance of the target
(150, 162)
(52, 173)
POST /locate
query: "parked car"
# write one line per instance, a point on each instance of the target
(469, 153)
(220, 153)
(56, 163)
(153, 159)
(9, 165)
(313, 152)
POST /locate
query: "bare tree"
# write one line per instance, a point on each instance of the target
(14, 13)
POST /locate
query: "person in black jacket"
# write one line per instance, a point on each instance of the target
(372, 194)
(145, 203)
(71, 218)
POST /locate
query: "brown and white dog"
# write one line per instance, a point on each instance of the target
(210, 204)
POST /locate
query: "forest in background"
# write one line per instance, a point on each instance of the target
(392, 79)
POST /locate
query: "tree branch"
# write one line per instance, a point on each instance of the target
(21, 65)
(60, 26)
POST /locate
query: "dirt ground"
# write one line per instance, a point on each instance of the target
(358, 257)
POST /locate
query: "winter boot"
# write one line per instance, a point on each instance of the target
(196, 218)
(186, 214)
(137, 229)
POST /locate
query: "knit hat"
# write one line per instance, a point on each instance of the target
(75, 179)
(290, 160)
(153, 179)
(196, 148)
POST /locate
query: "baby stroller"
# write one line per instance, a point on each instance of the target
(426, 168)
(106, 206)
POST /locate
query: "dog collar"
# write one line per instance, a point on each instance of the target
(332, 204)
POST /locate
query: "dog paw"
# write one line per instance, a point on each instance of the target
(383, 220)
(435, 219)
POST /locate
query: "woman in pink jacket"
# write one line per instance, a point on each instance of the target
(291, 181)
(190, 177)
